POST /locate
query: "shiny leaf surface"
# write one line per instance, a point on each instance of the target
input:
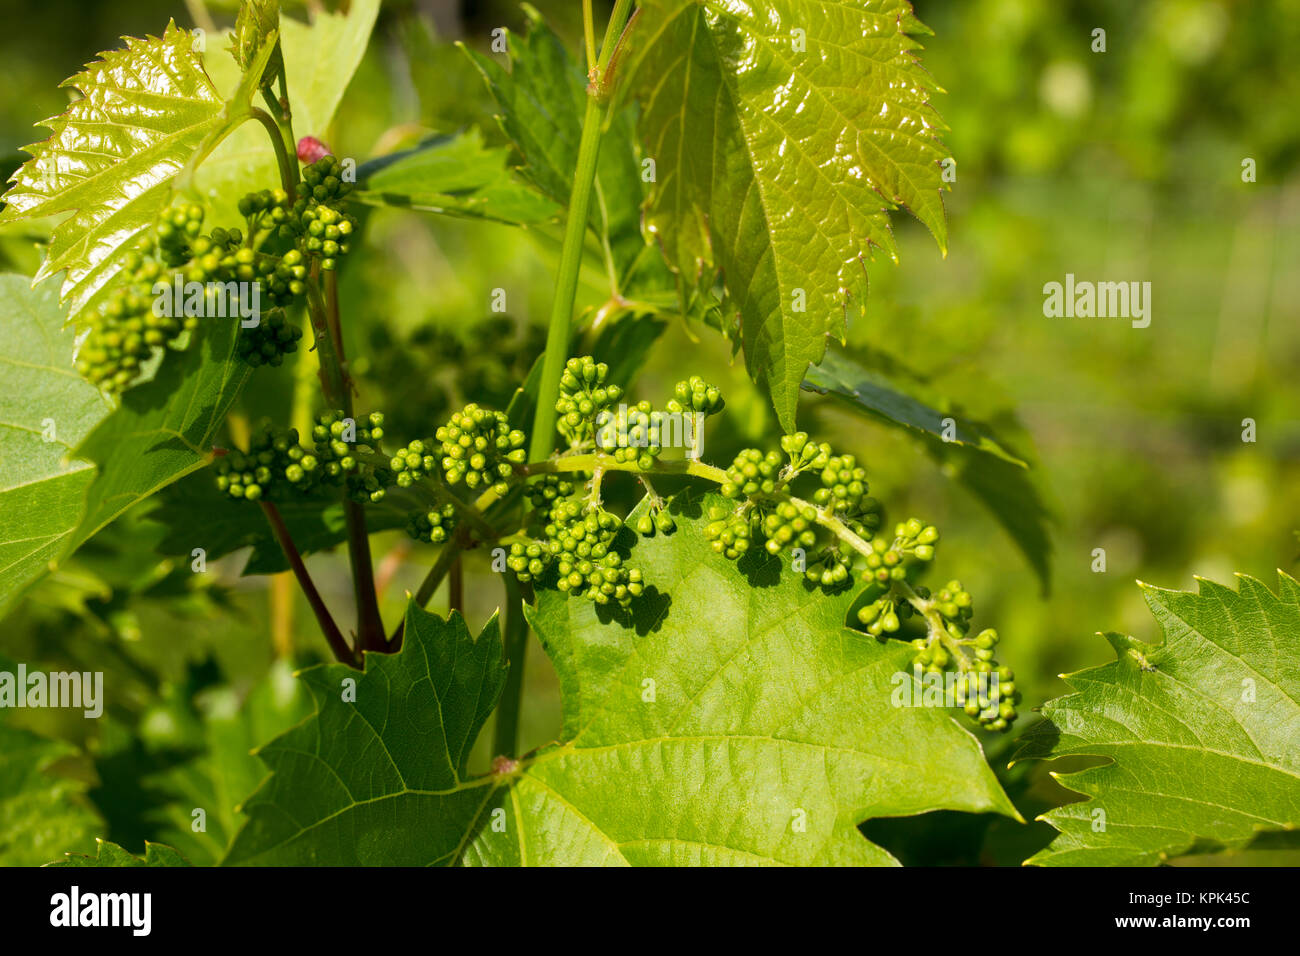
(783, 135)
(146, 113)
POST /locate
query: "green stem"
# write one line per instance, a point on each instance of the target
(284, 118)
(591, 462)
(505, 738)
(589, 33)
(288, 167)
(331, 368)
(575, 231)
(566, 283)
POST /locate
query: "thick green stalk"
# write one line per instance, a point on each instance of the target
(566, 283)
(575, 231)
(558, 332)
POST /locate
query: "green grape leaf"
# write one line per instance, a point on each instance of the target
(164, 428)
(1201, 732)
(783, 136)
(868, 390)
(320, 59)
(452, 175)
(196, 515)
(382, 780)
(46, 409)
(542, 98)
(40, 814)
(110, 854)
(147, 114)
(967, 451)
(732, 719)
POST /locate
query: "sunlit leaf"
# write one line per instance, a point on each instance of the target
(783, 135)
(1201, 732)
(146, 114)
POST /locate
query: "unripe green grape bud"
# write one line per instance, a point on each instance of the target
(868, 613)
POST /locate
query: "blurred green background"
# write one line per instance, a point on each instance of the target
(1118, 165)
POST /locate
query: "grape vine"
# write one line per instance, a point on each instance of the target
(805, 503)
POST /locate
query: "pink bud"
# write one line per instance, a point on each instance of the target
(311, 149)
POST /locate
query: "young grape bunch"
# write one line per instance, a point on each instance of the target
(274, 465)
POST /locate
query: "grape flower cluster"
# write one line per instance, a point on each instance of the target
(805, 503)
(283, 238)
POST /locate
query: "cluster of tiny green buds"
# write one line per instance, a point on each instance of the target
(916, 539)
(415, 462)
(696, 395)
(789, 525)
(527, 561)
(125, 332)
(955, 606)
(433, 526)
(583, 396)
(284, 279)
(350, 454)
(990, 701)
(885, 563)
(753, 473)
(480, 449)
(545, 490)
(175, 229)
(882, 616)
(805, 453)
(323, 181)
(642, 441)
(267, 209)
(580, 541)
(268, 342)
(325, 230)
(844, 486)
(274, 458)
(730, 530)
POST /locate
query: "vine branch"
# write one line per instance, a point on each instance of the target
(342, 652)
